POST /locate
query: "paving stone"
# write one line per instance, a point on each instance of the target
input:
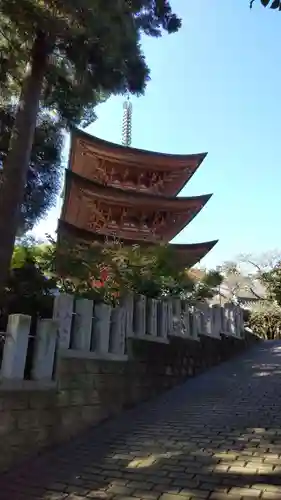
(216, 437)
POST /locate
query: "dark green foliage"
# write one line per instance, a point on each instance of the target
(149, 271)
(273, 4)
(44, 173)
(66, 56)
(28, 290)
(93, 46)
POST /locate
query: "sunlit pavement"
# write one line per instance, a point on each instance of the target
(218, 436)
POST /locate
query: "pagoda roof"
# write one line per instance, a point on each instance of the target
(187, 254)
(178, 168)
(80, 192)
(120, 196)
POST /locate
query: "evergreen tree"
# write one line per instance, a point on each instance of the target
(273, 4)
(45, 166)
(66, 55)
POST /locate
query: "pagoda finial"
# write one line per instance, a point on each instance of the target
(127, 122)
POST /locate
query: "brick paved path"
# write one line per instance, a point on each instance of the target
(216, 437)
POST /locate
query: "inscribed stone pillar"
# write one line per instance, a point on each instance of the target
(216, 320)
(238, 321)
(82, 326)
(187, 320)
(140, 316)
(230, 319)
(101, 328)
(128, 303)
(162, 323)
(170, 316)
(202, 314)
(224, 320)
(117, 331)
(195, 323)
(15, 347)
(177, 326)
(208, 317)
(151, 317)
(233, 320)
(63, 314)
(44, 350)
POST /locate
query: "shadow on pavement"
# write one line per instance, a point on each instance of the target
(216, 436)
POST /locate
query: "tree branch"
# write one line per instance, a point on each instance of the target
(255, 294)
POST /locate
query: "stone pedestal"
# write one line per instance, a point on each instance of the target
(63, 314)
(15, 347)
(44, 350)
(83, 323)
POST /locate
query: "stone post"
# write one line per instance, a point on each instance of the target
(187, 319)
(239, 323)
(208, 320)
(225, 320)
(233, 320)
(82, 326)
(44, 350)
(195, 323)
(63, 314)
(162, 323)
(151, 317)
(217, 320)
(117, 331)
(170, 316)
(177, 320)
(128, 303)
(15, 347)
(140, 316)
(101, 328)
(229, 308)
(201, 318)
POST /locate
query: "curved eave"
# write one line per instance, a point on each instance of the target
(206, 245)
(191, 254)
(187, 254)
(131, 198)
(134, 156)
(177, 188)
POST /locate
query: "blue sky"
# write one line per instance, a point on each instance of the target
(215, 87)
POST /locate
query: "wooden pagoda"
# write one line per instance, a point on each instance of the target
(131, 194)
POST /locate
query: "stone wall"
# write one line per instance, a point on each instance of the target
(34, 415)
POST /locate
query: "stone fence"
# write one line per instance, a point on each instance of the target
(92, 361)
(80, 328)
